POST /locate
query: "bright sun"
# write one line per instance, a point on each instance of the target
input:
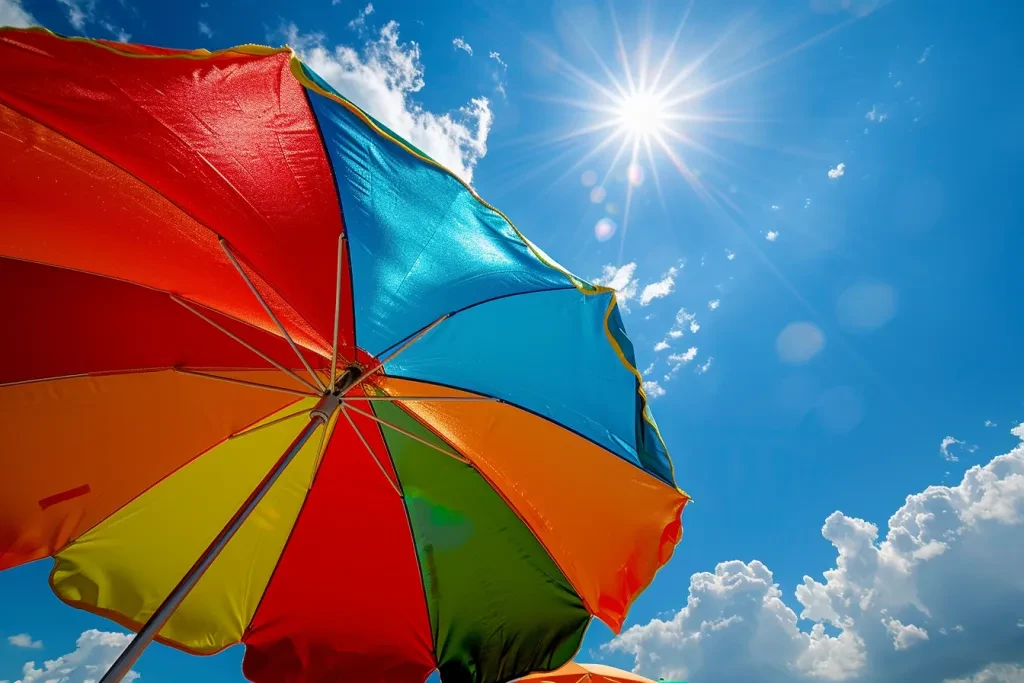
(642, 114)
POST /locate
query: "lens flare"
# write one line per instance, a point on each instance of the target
(598, 194)
(604, 229)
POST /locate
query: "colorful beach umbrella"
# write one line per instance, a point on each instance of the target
(585, 673)
(271, 375)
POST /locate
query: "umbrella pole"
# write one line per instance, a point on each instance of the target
(318, 416)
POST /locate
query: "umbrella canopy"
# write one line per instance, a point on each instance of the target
(585, 673)
(273, 376)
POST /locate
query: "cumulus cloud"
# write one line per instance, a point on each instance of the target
(838, 172)
(659, 289)
(944, 570)
(359, 22)
(205, 29)
(461, 44)
(729, 254)
(25, 640)
(648, 370)
(95, 652)
(661, 346)
(14, 14)
(623, 280)
(771, 235)
(382, 78)
(714, 303)
(653, 389)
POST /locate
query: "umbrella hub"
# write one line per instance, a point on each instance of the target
(325, 408)
(346, 380)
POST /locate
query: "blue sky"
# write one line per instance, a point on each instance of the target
(843, 225)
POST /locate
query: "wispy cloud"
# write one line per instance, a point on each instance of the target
(705, 366)
(121, 35)
(837, 172)
(77, 16)
(648, 370)
(729, 254)
(949, 443)
(990, 423)
(360, 20)
(714, 303)
(24, 639)
(876, 114)
(661, 346)
(684, 357)
(205, 29)
(383, 78)
(771, 235)
(653, 389)
(500, 73)
(924, 55)
(659, 289)
(461, 44)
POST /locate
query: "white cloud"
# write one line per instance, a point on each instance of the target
(622, 280)
(714, 303)
(807, 203)
(206, 5)
(675, 334)
(948, 443)
(205, 29)
(653, 389)
(904, 636)
(838, 171)
(648, 370)
(382, 79)
(876, 115)
(461, 44)
(924, 55)
(359, 22)
(13, 14)
(775, 207)
(25, 640)
(771, 235)
(659, 289)
(661, 346)
(705, 366)
(95, 652)
(498, 75)
(990, 423)
(76, 15)
(694, 327)
(994, 673)
(946, 568)
(685, 357)
(729, 254)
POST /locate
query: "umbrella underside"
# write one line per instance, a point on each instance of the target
(472, 504)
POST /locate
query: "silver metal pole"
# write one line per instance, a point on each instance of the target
(318, 416)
